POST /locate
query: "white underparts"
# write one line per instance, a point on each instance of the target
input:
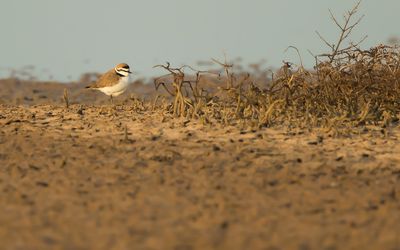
(118, 88)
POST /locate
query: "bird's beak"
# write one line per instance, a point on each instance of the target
(130, 72)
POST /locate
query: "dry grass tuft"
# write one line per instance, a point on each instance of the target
(66, 98)
(348, 87)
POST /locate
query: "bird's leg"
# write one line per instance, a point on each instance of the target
(113, 106)
(111, 100)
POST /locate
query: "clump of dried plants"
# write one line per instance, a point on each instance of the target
(348, 87)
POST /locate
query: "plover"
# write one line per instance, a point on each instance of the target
(114, 82)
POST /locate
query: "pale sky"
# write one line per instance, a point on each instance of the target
(65, 38)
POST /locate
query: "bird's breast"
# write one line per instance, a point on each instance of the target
(116, 89)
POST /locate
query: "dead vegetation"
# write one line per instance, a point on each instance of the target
(348, 87)
(66, 98)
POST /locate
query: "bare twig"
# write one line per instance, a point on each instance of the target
(66, 98)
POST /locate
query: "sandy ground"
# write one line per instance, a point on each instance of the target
(97, 177)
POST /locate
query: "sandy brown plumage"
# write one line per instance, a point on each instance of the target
(107, 79)
(111, 77)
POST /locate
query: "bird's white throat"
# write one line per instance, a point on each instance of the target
(122, 72)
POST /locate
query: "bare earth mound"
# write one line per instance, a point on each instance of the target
(94, 177)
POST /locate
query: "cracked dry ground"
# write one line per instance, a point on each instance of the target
(97, 178)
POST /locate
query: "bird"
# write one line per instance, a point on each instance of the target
(114, 82)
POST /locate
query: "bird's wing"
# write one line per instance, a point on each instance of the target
(104, 80)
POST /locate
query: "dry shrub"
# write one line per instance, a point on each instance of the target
(348, 87)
